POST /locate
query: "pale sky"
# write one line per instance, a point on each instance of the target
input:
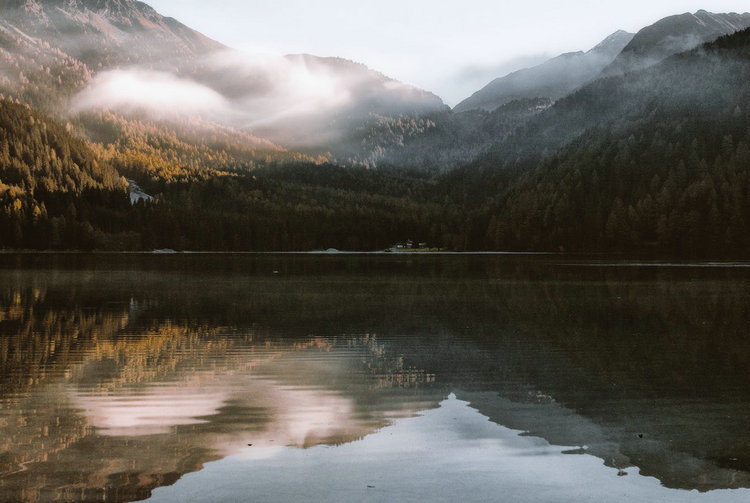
(451, 48)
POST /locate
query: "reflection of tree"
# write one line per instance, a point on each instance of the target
(668, 336)
(649, 335)
(611, 326)
(389, 370)
(39, 342)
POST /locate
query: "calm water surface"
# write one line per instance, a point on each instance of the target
(373, 378)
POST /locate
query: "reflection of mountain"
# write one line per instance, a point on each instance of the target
(148, 405)
(668, 451)
(447, 454)
(238, 355)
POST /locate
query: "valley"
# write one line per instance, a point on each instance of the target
(639, 145)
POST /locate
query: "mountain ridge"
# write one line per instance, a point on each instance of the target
(672, 35)
(552, 79)
(107, 32)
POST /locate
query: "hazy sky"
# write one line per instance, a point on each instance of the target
(451, 48)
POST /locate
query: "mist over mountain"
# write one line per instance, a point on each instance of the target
(435, 143)
(123, 56)
(553, 79)
(673, 35)
(305, 101)
(704, 80)
(619, 53)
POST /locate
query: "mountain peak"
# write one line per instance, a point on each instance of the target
(614, 42)
(672, 35)
(104, 33)
(552, 79)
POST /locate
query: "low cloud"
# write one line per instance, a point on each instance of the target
(269, 88)
(230, 88)
(158, 93)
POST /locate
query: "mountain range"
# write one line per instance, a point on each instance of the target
(619, 53)
(639, 144)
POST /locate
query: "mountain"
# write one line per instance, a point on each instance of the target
(654, 160)
(672, 35)
(105, 33)
(553, 79)
(71, 56)
(435, 142)
(310, 102)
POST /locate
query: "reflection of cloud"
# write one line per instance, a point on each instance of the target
(308, 416)
(301, 415)
(285, 397)
(152, 412)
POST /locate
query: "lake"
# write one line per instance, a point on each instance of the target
(383, 377)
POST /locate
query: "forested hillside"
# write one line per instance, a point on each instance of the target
(439, 142)
(58, 192)
(660, 161)
(54, 192)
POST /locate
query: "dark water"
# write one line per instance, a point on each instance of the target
(341, 378)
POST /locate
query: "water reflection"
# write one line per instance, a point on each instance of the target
(136, 412)
(452, 453)
(120, 374)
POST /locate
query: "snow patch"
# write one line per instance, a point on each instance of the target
(136, 193)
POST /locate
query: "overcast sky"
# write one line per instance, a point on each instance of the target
(451, 48)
